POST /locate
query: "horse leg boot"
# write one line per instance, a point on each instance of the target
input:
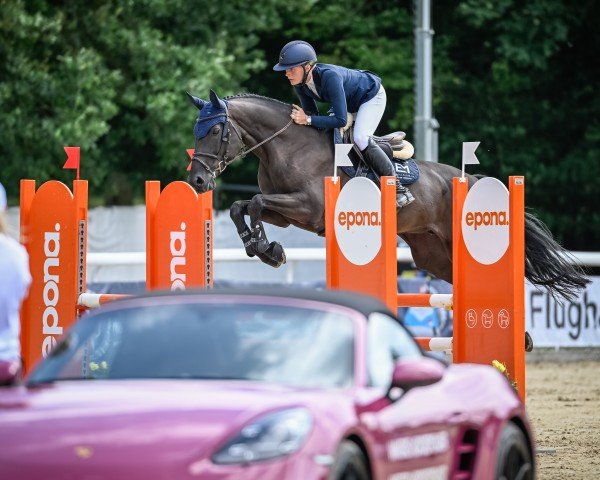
(237, 212)
(382, 166)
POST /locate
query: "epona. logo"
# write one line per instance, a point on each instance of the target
(485, 220)
(177, 247)
(349, 219)
(358, 221)
(51, 328)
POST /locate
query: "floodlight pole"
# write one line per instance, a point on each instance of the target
(426, 127)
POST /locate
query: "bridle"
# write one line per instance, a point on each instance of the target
(222, 156)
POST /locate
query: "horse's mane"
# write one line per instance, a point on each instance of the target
(279, 107)
(260, 98)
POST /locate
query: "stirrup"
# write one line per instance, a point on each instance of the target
(403, 197)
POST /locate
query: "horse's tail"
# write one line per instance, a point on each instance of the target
(548, 264)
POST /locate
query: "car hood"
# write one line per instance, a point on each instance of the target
(164, 422)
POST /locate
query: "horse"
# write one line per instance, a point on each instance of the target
(294, 159)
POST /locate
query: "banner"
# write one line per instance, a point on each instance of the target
(563, 324)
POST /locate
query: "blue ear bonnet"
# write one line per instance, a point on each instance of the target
(210, 116)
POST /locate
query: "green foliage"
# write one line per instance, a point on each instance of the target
(380, 41)
(110, 77)
(520, 77)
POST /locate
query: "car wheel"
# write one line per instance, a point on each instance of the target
(349, 464)
(514, 458)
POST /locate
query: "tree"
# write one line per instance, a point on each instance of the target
(116, 91)
(110, 77)
(519, 77)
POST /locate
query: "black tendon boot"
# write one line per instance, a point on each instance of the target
(382, 166)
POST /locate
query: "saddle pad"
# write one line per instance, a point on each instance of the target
(407, 172)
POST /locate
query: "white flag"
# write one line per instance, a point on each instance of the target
(341, 157)
(468, 155)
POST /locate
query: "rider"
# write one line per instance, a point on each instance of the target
(347, 90)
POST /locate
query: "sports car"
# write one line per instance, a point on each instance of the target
(249, 384)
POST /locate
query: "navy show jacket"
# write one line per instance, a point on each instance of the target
(344, 88)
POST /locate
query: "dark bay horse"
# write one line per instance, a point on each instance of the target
(294, 159)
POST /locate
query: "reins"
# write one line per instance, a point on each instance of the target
(246, 152)
(224, 162)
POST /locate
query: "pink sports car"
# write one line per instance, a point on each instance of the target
(239, 384)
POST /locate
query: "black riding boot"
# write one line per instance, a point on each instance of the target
(382, 166)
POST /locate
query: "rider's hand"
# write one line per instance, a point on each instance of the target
(298, 115)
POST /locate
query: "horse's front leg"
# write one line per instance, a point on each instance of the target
(279, 209)
(237, 212)
(272, 254)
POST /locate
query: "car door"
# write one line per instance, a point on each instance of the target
(415, 432)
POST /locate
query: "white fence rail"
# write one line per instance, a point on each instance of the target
(293, 255)
(551, 323)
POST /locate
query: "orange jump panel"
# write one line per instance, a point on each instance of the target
(178, 237)
(53, 230)
(489, 306)
(379, 276)
(488, 297)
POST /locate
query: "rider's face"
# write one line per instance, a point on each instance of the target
(295, 74)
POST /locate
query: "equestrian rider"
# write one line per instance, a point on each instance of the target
(347, 90)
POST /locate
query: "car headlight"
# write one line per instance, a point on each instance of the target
(274, 435)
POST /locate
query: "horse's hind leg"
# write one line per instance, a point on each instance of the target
(271, 255)
(430, 253)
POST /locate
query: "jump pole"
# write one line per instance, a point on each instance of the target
(488, 298)
(54, 231)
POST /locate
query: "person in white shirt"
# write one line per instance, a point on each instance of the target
(15, 279)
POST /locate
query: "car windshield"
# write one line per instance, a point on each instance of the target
(302, 347)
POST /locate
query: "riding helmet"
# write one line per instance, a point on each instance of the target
(297, 52)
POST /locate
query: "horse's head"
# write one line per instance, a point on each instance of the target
(217, 142)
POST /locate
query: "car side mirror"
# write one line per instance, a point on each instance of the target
(416, 372)
(9, 372)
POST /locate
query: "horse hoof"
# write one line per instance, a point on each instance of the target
(277, 253)
(270, 261)
(528, 342)
(274, 256)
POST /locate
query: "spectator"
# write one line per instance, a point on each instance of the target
(14, 283)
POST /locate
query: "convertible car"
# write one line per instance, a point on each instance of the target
(239, 384)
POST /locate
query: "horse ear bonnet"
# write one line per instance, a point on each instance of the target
(216, 102)
(197, 102)
(212, 113)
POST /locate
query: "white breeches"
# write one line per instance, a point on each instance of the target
(368, 118)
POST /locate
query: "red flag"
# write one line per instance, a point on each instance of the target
(190, 152)
(72, 159)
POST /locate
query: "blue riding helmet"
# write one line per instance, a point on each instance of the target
(297, 52)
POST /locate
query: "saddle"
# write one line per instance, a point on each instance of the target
(399, 151)
(393, 144)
